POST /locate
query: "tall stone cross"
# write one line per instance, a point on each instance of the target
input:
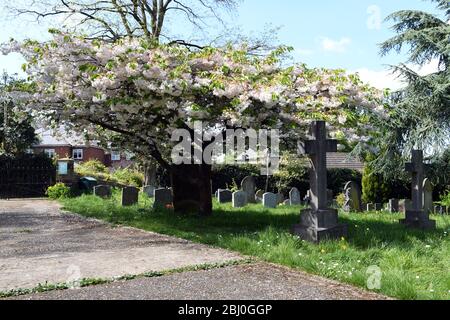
(317, 150)
(417, 169)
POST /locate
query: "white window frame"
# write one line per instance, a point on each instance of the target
(115, 156)
(77, 154)
(51, 153)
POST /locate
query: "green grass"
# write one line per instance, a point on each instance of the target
(414, 264)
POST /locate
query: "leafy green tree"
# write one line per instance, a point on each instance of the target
(420, 117)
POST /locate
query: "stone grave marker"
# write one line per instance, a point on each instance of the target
(295, 197)
(319, 222)
(270, 200)
(248, 185)
(393, 206)
(102, 191)
(149, 191)
(163, 198)
(130, 196)
(224, 196)
(352, 197)
(239, 199)
(417, 217)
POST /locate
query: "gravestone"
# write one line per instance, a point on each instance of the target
(163, 198)
(270, 200)
(393, 206)
(149, 191)
(319, 222)
(280, 198)
(352, 197)
(378, 207)
(427, 196)
(102, 191)
(248, 185)
(224, 196)
(417, 217)
(259, 195)
(295, 197)
(130, 196)
(287, 202)
(370, 207)
(239, 199)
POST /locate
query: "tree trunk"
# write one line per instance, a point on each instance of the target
(192, 189)
(150, 174)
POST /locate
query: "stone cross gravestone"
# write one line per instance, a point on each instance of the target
(248, 185)
(417, 217)
(163, 198)
(295, 197)
(102, 191)
(352, 197)
(239, 199)
(130, 196)
(224, 196)
(270, 200)
(149, 191)
(427, 196)
(319, 222)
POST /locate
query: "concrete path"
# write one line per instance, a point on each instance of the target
(40, 244)
(258, 281)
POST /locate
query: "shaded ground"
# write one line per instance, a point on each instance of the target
(259, 281)
(39, 244)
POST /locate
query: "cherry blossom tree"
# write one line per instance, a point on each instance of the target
(143, 91)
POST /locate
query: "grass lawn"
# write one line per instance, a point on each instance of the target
(413, 264)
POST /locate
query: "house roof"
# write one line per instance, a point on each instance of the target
(341, 160)
(60, 138)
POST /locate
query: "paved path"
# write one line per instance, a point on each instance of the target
(259, 281)
(39, 243)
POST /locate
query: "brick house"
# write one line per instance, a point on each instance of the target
(74, 148)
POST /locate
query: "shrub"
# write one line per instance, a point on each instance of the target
(128, 177)
(445, 199)
(374, 188)
(340, 199)
(58, 191)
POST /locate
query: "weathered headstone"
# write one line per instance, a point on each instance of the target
(417, 217)
(130, 196)
(163, 198)
(239, 199)
(287, 202)
(427, 196)
(102, 191)
(280, 198)
(149, 191)
(224, 196)
(393, 206)
(270, 200)
(319, 222)
(259, 195)
(378, 206)
(248, 185)
(370, 207)
(295, 197)
(352, 197)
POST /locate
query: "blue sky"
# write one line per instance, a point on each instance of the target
(327, 33)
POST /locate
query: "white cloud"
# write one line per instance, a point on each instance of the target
(338, 46)
(383, 79)
(374, 20)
